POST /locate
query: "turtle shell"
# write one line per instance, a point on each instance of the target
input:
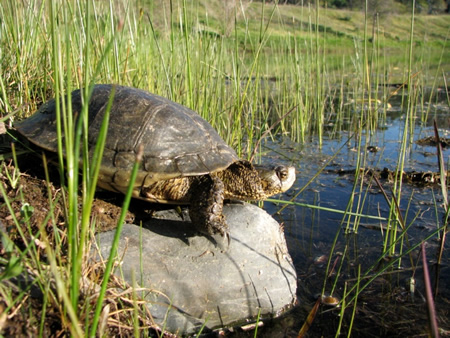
(176, 141)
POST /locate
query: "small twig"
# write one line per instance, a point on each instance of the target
(334, 266)
(429, 297)
(309, 320)
(443, 178)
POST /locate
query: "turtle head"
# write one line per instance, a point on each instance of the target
(276, 179)
(248, 182)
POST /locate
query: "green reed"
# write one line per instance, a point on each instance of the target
(395, 242)
(177, 49)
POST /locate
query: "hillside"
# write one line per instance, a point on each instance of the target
(218, 17)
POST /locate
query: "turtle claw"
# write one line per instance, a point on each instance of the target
(222, 241)
(226, 239)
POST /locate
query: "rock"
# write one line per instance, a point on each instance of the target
(194, 283)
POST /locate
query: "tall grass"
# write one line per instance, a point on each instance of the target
(147, 54)
(242, 78)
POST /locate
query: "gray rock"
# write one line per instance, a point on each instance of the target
(192, 282)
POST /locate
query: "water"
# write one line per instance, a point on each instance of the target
(386, 306)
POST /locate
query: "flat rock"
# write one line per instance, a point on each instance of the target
(193, 282)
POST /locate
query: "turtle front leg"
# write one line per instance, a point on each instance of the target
(207, 196)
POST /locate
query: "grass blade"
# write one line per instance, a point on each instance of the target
(115, 243)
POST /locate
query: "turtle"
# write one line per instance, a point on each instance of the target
(184, 160)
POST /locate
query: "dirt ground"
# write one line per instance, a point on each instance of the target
(38, 207)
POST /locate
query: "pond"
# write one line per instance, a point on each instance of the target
(388, 305)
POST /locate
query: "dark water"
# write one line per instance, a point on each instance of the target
(386, 306)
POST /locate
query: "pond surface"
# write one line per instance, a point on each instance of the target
(386, 306)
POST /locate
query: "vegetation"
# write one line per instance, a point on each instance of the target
(246, 67)
(380, 6)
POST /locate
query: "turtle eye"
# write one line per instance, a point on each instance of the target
(282, 173)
